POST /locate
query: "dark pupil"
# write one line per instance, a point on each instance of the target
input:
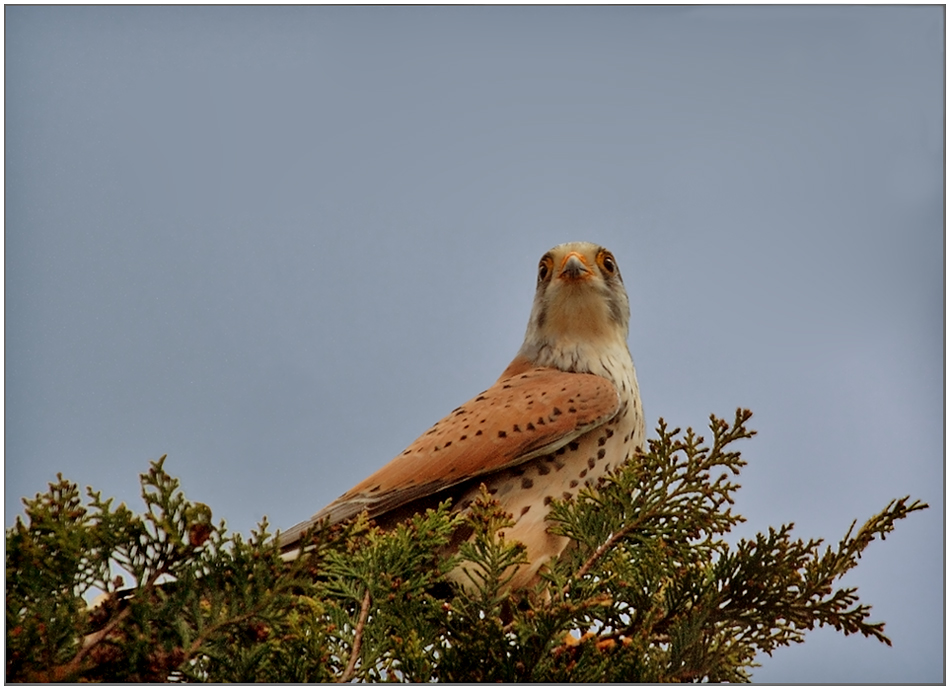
(543, 271)
(609, 264)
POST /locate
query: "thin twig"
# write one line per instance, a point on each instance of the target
(357, 640)
(93, 639)
(601, 550)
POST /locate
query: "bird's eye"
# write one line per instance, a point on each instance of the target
(544, 268)
(606, 261)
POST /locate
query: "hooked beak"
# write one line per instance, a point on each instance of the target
(573, 267)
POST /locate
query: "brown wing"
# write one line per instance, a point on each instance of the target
(528, 413)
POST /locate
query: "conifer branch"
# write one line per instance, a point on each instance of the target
(357, 639)
(649, 591)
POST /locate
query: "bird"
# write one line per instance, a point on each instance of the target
(562, 414)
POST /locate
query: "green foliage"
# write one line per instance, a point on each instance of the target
(649, 591)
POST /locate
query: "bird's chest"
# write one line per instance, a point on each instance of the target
(527, 490)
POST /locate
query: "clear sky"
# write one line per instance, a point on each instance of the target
(278, 243)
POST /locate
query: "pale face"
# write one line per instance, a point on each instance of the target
(580, 298)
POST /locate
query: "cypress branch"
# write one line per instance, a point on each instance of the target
(650, 590)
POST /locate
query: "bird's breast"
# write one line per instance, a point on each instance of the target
(527, 490)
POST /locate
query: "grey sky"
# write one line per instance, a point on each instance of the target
(279, 243)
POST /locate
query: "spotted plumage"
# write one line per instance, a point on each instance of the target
(564, 411)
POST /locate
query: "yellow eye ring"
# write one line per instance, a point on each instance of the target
(607, 262)
(545, 268)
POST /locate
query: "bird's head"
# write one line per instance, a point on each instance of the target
(580, 305)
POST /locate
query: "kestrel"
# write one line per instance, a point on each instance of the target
(565, 411)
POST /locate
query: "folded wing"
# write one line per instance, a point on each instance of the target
(526, 414)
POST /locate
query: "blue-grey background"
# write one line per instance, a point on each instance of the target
(279, 243)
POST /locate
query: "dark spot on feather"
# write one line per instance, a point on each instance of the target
(447, 444)
(526, 483)
(567, 495)
(481, 397)
(583, 473)
(525, 509)
(507, 385)
(376, 488)
(547, 500)
(530, 426)
(573, 483)
(556, 412)
(601, 453)
(478, 433)
(502, 434)
(609, 432)
(602, 440)
(540, 421)
(572, 409)
(591, 462)
(560, 451)
(573, 445)
(516, 428)
(543, 469)
(462, 438)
